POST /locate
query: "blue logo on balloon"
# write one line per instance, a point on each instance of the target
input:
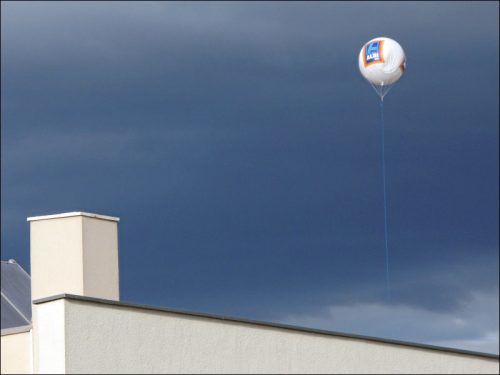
(372, 52)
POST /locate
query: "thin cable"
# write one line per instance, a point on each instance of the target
(387, 280)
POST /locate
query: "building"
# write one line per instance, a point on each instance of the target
(79, 325)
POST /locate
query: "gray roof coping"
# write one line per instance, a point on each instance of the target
(14, 330)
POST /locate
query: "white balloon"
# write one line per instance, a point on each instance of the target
(382, 62)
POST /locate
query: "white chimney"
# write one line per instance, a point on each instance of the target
(74, 253)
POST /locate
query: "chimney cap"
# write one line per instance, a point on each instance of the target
(70, 214)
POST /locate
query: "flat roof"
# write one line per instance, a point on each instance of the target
(260, 323)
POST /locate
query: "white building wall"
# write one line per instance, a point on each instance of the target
(101, 338)
(16, 355)
(49, 354)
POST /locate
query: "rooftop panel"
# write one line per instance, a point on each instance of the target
(16, 296)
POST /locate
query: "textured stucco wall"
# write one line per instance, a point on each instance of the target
(16, 354)
(115, 339)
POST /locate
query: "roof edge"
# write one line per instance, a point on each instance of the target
(70, 214)
(14, 330)
(261, 323)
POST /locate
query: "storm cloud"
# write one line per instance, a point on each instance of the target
(240, 147)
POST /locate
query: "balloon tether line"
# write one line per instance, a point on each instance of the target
(387, 280)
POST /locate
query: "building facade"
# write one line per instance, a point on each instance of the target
(79, 325)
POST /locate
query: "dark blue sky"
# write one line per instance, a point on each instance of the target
(240, 147)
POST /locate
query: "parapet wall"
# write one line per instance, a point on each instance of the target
(112, 337)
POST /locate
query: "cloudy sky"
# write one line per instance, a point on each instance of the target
(241, 149)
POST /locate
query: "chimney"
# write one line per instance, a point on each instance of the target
(74, 253)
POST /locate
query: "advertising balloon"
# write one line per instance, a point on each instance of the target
(382, 62)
